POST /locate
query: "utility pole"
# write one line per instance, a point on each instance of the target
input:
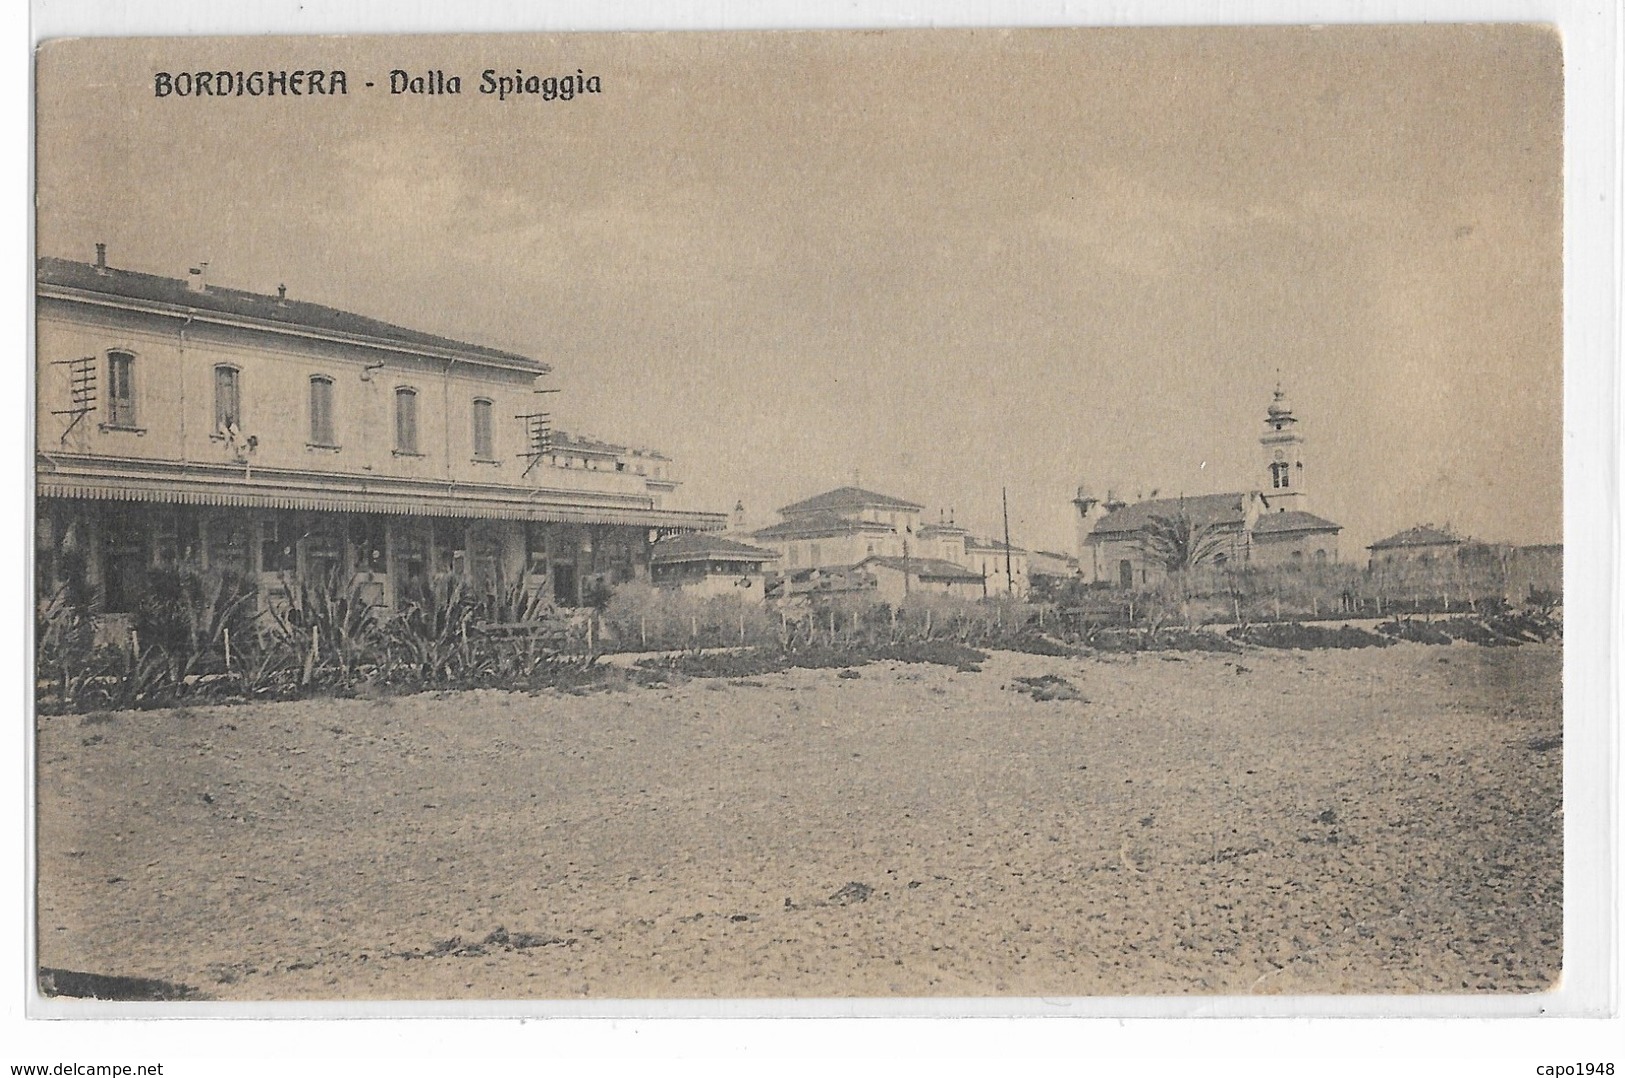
(1009, 579)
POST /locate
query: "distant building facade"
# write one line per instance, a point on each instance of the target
(1048, 571)
(896, 579)
(842, 527)
(1003, 568)
(1419, 545)
(706, 565)
(1426, 559)
(850, 528)
(1270, 526)
(183, 424)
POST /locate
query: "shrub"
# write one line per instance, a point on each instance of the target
(1417, 632)
(1289, 634)
(640, 617)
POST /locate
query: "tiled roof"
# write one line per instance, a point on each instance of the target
(991, 544)
(128, 284)
(847, 498)
(818, 525)
(686, 548)
(581, 444)
(933, 531)
(1205, 509)
(1293, 520)
(924, 568)
(1421, 535)
(825, 579)
(1049, 563)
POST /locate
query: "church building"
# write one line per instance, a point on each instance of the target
(1265, 527)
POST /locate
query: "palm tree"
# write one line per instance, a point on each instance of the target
(1179, 542)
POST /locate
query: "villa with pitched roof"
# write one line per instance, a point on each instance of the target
(855, 539)
(843, 527)
(1265, 527)
(1420, 544)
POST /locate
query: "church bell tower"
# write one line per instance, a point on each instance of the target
(1284, 487)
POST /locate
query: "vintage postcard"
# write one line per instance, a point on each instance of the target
(803, 515)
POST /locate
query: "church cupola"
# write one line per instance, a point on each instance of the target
(1284, 484)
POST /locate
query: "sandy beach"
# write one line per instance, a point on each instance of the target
(1372, 821)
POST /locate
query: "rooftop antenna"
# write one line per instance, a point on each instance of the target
(81, 391)
(538, 435)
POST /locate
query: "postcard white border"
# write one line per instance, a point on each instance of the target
(1592, 466)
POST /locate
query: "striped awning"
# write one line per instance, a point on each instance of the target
(478, 506)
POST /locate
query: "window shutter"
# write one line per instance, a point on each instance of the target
(482, 430)
(226, 410)
(406, 421)
(321, 411)
(121, 389)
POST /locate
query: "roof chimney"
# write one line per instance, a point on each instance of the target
(282, 295)
(197, 277)
(101, 258)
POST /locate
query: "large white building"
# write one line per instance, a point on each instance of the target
(182, 423)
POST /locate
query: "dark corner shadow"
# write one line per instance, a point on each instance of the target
(64, 982)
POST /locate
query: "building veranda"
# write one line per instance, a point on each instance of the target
(188, 426)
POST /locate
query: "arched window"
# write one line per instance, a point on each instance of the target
(1280, 475)
(406, 420)
(321, 410)
(120, 389)
(228, 401)
(484, 448)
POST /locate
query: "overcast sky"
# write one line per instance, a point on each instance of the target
(943, 262)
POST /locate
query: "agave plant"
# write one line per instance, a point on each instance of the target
(188, 616)
(330, 621)
(431, 632)
(65, 642)
(515, 602)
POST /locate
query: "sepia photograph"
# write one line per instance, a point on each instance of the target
(864, 515)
